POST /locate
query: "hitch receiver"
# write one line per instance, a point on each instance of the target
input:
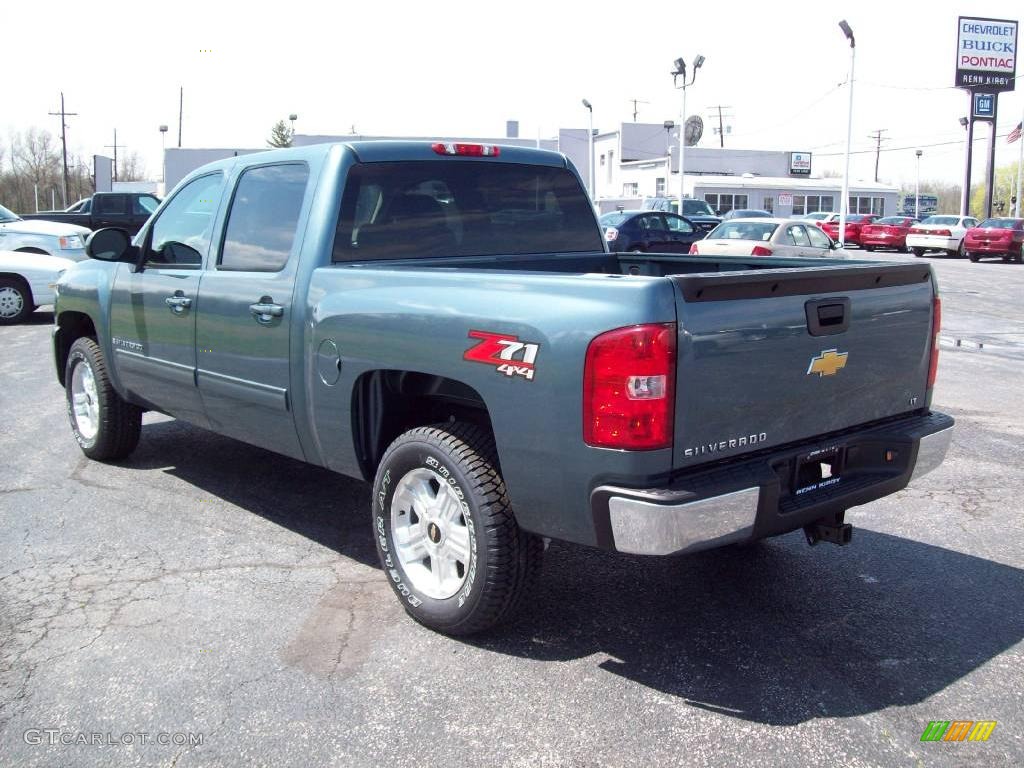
(833, 530)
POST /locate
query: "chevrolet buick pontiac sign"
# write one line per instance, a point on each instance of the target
(986, 54)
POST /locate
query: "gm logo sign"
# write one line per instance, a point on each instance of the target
(985, 105)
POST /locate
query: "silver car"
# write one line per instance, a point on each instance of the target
(52, 238)
(768, 237)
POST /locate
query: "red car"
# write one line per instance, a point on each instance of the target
(996, 237)
(890, 232)
(854, 222)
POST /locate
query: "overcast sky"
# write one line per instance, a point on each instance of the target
(455, 68)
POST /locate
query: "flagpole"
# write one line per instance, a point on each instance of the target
(1020, 162)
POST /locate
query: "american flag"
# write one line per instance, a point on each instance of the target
(1014, 134)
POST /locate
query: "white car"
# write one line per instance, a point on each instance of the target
(768, 237)
(49, 237)
(26, 282)
(940, 233)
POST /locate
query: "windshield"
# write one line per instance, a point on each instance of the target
(899, 221)
(697, 208)
(857, 218)
(742, 230)
(948, 221)
(6, 215)
(459, 208)
(612, 219)
(1000, 224)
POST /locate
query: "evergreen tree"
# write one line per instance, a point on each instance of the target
(280, 135)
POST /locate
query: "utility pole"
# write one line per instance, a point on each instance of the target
(877, 136)
(115, 145)
(64, 142)
(181, 110)
(635, 102)
(721, 126)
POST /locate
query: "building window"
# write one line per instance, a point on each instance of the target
(611, 156)
(602, 161)
(867, 204)
(630, 189)
(769, 204)
(659, 187)
(725, 203)
(812, 204)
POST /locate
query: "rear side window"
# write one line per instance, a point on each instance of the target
(144, 205)
(415, 209)
(112, 204)
(744, 230)
(263, 218)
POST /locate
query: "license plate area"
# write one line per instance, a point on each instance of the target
(818, 469)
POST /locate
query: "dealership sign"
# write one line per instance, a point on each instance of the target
(800, 163)
(986, 54)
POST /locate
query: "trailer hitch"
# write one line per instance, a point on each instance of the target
(831, 529)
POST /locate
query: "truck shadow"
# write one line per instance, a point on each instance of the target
(323, 506)
(778, 633)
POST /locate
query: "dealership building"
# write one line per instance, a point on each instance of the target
(639, 161)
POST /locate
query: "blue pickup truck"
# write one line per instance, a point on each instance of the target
(446, 322)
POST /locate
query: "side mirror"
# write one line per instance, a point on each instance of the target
(835, 245)
(110, 244)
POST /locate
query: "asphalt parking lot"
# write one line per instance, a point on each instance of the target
(206, 588)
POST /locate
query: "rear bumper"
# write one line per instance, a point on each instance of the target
(755, 498)
(933, 242)
(883, 241)
(992, 249)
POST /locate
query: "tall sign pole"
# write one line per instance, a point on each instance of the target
(986, 65)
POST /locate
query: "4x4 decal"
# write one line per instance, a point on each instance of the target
(505, 352)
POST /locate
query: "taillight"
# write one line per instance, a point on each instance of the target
(467, 150)
(760, 250)
(629, 388)
(933, 364)
(611, 234)
(915, 231)
(941, 232)
(693, 249)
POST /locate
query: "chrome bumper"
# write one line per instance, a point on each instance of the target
(643, 528)
(931, 451)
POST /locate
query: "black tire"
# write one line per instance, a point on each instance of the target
(973, 257)
(919, 252)
(869, 248)
(503, 562)
(15, 301)
(961, 250)
(117, 423)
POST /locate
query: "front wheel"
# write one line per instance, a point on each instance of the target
(919, 252)
(973, 257)
(105, 426)
(445, 532)
(15, 301)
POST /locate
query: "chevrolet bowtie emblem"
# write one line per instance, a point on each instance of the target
(827, 363)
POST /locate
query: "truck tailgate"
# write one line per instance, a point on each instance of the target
(769, 357)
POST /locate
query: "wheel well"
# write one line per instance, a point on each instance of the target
(71, 326)
(20, 280)
(32, 250)
(387, 403)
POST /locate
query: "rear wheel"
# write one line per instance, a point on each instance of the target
(961, 251)
(919, 252)
(15, 301)
(446, 535)
(869, 248)
(105, 426)
(973, 257)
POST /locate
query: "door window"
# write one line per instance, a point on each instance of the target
(818, 238)
(111, 204)
(263, 219)
(180, 236)
(143, 206)
(679, 225)
(797, 235)
(652, 224)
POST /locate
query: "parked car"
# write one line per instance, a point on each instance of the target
(53, 239)
(125, 210)
(648, 231)
(854, 222)
(940, 233)
(697, 212)
(817, 217)
(746, 213)
(996, 237)
(26, 282)
(888, 232)
(443, 321)
(767, 237)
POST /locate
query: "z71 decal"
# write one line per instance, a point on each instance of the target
(506, 353)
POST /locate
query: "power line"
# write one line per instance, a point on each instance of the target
(877, 136)
(635, 102)
(913, 146)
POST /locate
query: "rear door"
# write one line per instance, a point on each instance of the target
(110, 210)
(245, 310)
(681, 233)
(654, 232)
(153, 311)
(776, 356)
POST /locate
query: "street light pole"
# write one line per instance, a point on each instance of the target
(680, 71)
(163, 151)
(293, 117)
(844, 204)
(590, 150)
(917, 188)
(965, 193)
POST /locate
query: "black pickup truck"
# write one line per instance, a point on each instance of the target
(125, 210)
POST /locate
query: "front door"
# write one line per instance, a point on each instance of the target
(245, 311)
(153, 320)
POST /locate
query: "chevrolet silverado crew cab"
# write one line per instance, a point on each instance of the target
(446, 322)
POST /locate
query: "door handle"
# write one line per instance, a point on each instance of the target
(265, 310)
(178, 303)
